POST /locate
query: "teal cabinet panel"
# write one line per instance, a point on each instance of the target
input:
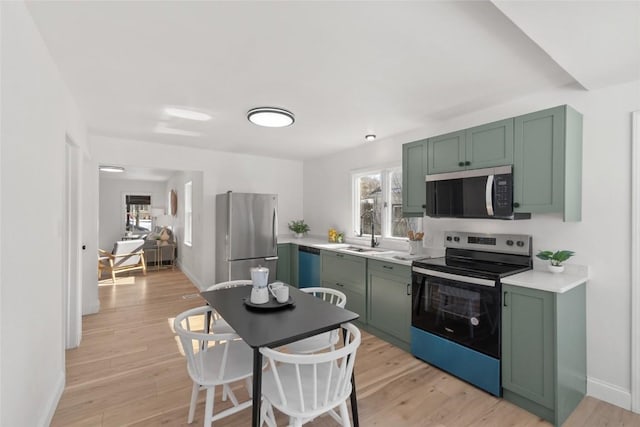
(489, 145)
(446, 153)
(478, 147)
(527, 344)
(348, 274)
(544, 367)
(389, 298)
(287, 268)
(414, 169)
(283, 269)
(548, 162)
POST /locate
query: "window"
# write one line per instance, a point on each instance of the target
(378, 204)
(138, 213)
(188, 212)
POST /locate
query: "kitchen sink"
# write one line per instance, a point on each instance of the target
(364, 250)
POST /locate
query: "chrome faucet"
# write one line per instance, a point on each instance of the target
(371, 214)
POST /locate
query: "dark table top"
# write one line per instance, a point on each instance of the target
(308, 316)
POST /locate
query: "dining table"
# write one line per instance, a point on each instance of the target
(305, 316)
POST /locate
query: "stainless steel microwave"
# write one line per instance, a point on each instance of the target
(478, 193)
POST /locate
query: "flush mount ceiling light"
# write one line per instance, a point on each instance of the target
(187, 114)
(270, 117)
(107, 168)
(370, 137)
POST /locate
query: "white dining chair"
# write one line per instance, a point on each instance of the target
(327, 339)
(305, 386)
(221, 325)
(213, 359)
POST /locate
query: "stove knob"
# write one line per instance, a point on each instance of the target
(456, 239)
(509, 242)
(520, 243)
(448, 238)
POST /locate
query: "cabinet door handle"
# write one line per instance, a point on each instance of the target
(467, 163)
(516, 205)
(340, 255)
(460, 163)
(504, 298)
(340, 284)
(424, 206)
(409, 289)
(388, 267)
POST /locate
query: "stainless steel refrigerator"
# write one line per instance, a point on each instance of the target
(246, 235)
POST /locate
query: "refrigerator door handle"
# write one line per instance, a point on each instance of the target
(271, 258)
(274, 234)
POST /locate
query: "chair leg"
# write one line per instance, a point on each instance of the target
(208, 407)
(249, 384)
(192, 405)
(344, 414)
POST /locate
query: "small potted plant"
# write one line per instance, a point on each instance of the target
(555, 259)
(299, 228)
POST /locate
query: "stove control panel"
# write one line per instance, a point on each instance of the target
(505, 243)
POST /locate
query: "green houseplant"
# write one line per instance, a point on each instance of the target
(299, 227)
(555, 259)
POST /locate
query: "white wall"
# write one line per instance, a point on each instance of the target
(37, 114)
(188, 256)
(221, 171)
(111, 219)
(601, 240)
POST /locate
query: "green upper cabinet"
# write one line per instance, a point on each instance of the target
(414, 161)
(446, 153)
(489, 145)
(548, 162)
(475, 148)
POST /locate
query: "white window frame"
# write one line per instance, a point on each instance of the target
(386, 215)
(188, 213)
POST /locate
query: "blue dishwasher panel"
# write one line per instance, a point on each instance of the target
(308, 267)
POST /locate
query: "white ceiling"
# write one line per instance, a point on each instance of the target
(345, 69)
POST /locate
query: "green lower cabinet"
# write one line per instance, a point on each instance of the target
(389, 298)
(287, 268)
(283, 269)
(544, 350)
(348, 274)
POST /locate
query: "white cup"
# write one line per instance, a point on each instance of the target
(280, 291)
(259, 295)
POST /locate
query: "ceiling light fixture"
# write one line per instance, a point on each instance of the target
(116, 169)
(270, 117)
(370, 137)
(187, 114)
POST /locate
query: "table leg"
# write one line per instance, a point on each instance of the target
(354, 399)
(257, 387)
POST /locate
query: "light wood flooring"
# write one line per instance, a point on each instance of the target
(128, 370)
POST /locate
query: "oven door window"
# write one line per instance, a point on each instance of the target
(466, 313)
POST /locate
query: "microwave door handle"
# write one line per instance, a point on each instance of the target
(488, 195)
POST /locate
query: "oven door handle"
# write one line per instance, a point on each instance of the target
(456, 277)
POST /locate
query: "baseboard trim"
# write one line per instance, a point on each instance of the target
(609, 393)
(52, 404)
(191, 276)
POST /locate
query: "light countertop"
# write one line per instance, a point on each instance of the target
(543, 280)
(397, 256)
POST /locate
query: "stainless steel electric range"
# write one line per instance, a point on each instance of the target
(457, 304)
